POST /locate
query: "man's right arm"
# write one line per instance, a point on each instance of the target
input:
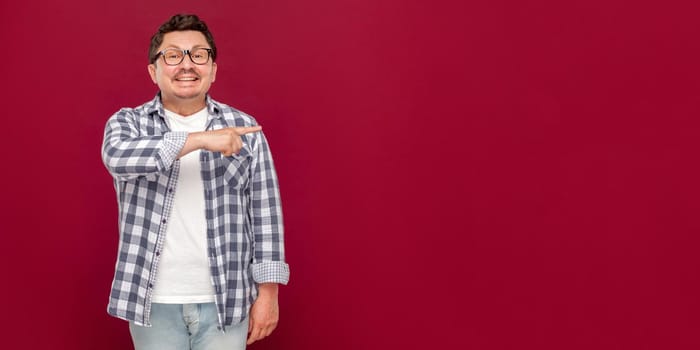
(227, 141)
(127, 154)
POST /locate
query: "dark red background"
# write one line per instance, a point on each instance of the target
(455, 174)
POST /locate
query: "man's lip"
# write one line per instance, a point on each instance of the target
(187, 78)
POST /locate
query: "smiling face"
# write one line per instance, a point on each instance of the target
(183, 86)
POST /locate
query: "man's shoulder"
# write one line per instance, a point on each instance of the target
(144, 109)
(232, 114)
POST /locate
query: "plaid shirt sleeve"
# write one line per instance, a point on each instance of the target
(127, 154)
(266, 210)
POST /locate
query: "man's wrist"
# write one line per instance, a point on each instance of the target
(198, 139)
(268, 289)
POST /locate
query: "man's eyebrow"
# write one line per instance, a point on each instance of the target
(179, 48)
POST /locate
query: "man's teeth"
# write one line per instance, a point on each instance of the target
(187, 79)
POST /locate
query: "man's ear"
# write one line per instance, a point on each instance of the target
(152, 72)
(213, 72)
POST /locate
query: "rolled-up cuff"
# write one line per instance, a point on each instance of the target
(173, 142)
(271, 272)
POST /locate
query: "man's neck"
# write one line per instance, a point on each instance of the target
(185, 108)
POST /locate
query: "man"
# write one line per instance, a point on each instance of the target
(201, 249)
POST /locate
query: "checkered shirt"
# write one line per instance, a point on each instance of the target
(243, 210)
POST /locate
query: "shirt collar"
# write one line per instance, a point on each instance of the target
(155, 106)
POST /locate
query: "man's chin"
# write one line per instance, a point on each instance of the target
(189, 96)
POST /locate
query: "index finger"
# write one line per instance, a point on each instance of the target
(254, 335)
(247, 129)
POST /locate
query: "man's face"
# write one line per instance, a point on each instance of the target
(187, 81)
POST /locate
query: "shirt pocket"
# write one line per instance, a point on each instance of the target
(146, 179)
(153, 177)
(236, 169)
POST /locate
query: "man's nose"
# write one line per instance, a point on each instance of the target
(187, 62)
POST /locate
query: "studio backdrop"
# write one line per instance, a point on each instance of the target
(454, 174)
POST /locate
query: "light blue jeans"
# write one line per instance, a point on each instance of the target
(187, 327)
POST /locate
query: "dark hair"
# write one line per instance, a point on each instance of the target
(180, 22)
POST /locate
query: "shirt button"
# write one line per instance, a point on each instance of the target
(150, 285)
(157, 253)
(170, 190)
(164, 221)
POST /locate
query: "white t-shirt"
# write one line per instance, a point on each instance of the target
(183, 271)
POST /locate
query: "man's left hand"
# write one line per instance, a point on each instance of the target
(264, 314)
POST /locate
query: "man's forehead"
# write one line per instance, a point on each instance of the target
(184, 39)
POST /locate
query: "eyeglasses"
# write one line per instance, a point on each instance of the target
(173, 57)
